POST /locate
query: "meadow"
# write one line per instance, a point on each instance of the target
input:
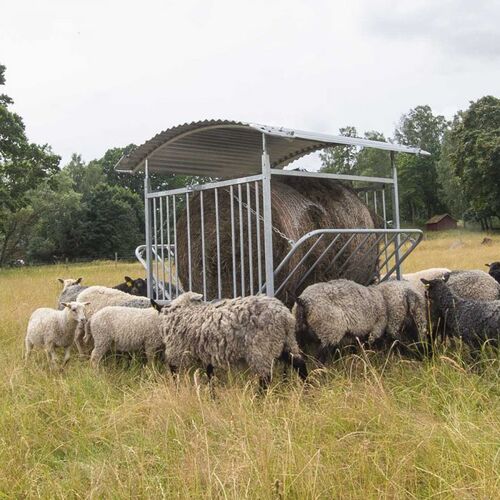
(371, 425)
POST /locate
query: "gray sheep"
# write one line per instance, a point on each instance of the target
(71, 290)
(474, 285)
(256, 330)
(474, 321)
(51, 328)
(125, 329)
(327, 312)
(406, 310)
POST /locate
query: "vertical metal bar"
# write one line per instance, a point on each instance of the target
(249, 223)
(176, 254)
(162, 247)
(396, 211)
(167, 199)
(268, 220)
(188, 223)
(202, 221)
(242, 243)
(384, 215)
(257, 222)
(156, 247)
(147, 220)
(233, 240)
(375, 208)
(217, 237)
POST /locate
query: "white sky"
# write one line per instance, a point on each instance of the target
(88, 75)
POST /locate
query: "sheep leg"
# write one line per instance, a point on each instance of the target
(377, 332)
(264, 382)
(210, 372)
(296, 362)
(29, 347)
(100, 349)
(150, 354)
(51, 353)
(67, 354)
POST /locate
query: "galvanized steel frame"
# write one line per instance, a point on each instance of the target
(155, 251)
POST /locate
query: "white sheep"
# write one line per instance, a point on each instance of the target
(428, 274)
(125, 329)
(51, 328)
(100, 297)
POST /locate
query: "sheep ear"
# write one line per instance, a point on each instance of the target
(60, 280)
(425, 282)
(446, 277)
(78, 281)
(155, 305)
(129, 281)
(488, 265)
(86, 303)
(197, 296)
(65, 304)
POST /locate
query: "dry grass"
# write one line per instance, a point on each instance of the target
(370, 427)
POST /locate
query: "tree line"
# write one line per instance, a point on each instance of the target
(461, 176)
(88, 210)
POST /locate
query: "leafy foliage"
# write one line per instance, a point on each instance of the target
(476, 156)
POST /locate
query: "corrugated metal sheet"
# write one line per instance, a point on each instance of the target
(226, 148)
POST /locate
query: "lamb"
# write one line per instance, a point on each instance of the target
(125, 329)
(133, 287)
(98, 298)
(256, 330)
(406, 310)
(70, 291)
(327, 312)
(473, 320)
(494, 270)
(51, 328)
(474, 285)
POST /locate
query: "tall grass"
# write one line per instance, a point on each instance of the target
(372, 425)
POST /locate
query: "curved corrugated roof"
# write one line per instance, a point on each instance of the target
(225, 148)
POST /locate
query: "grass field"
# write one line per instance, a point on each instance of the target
(372, 426)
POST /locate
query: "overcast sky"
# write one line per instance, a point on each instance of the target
(88, 75)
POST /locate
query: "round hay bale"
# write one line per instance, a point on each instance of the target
(298, 206)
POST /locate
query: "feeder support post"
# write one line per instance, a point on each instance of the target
(268, 222)
(395, 209)
(149, 235)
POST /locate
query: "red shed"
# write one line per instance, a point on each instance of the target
(441, 223)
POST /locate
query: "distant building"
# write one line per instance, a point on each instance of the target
(441, 223)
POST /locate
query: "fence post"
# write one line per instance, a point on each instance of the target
(149, 238)
(268, 222)
(395, 208)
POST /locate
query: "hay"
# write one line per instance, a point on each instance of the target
(298, 206)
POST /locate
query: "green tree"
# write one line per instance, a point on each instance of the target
(23, 166)
(451, 192)
(374, 162)
(115, 221)
(340, 159)
(419, 185)
(476, 156)
(60, 227)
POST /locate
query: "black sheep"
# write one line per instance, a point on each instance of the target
(494, 270)
(473, 320)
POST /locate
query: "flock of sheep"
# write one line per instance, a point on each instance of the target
(256, 331)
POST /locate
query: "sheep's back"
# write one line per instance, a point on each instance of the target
(474, 285)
